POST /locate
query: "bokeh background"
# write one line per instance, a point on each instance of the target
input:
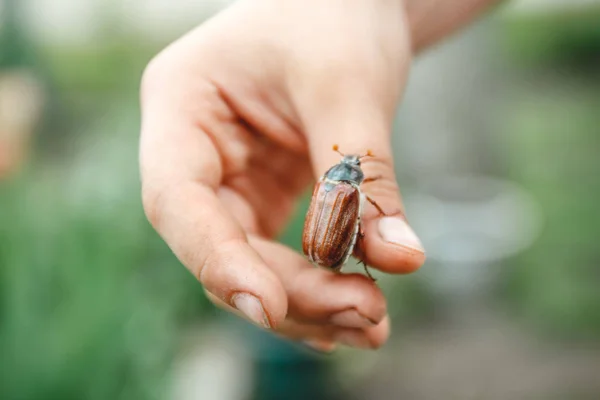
(498, 149)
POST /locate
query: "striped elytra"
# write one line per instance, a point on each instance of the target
(332, 223)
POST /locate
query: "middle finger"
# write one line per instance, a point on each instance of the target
(318, 296)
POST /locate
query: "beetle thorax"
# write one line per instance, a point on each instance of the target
(348, 170)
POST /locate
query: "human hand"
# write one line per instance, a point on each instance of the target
(239, 116)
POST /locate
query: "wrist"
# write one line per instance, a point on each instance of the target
(433, 20)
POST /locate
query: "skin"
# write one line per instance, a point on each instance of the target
(238, 119)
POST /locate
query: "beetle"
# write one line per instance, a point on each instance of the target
(333, 221)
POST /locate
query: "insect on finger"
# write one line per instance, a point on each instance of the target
(332, 222)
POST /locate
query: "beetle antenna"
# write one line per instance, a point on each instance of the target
(337, 149)
(369, 154)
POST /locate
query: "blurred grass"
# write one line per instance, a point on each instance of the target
(552, 141)
(569, 37)
(92, 302)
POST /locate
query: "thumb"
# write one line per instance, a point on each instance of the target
(389, 243)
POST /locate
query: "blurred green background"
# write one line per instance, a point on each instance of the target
(93, 305)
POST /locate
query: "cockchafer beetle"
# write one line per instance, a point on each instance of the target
(333, 221)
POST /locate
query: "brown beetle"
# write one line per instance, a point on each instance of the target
(332, 223)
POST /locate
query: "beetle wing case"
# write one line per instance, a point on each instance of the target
(331, 223)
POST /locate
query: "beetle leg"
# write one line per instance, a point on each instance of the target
(361, 233)
(381, 212)
(374, 178)
(367, 270)
(361, 260)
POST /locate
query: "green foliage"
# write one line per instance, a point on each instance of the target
(567, 37)
(91, 302)
(553, 152)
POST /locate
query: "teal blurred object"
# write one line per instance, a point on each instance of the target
(287, 370)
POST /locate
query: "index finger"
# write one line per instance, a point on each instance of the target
(180, 170)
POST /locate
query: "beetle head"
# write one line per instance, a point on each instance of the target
(352, 159)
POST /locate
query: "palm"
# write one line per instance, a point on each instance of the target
(238, 99)
(262, 196)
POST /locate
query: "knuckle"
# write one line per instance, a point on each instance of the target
(385, 190)
(158, 197)
(197, 261)
(378, 307)
(201, 262)
(208, 265)
(380, 166)
(190, 238)
(375, 307)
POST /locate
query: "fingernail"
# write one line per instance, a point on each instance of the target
(396, 231)
(322, 346)
(351, 319)
(353, 339)
(252, 308)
